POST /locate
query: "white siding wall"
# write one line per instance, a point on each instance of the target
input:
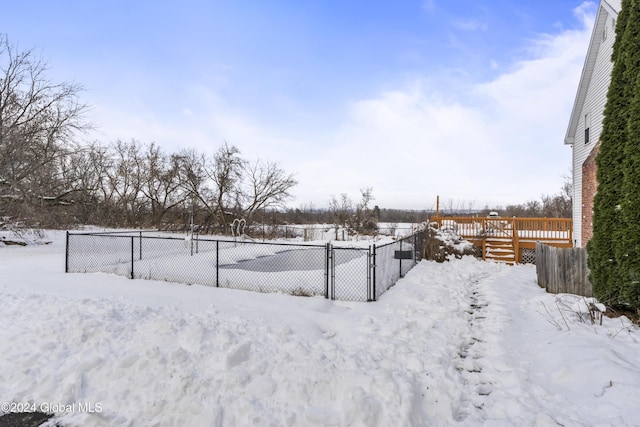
(594, 104)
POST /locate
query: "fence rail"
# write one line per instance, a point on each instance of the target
(545, 229)
(563, 270)
(344, 273)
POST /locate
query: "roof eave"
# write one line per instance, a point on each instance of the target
(605, 10)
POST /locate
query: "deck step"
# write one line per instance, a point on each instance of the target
(500, 250)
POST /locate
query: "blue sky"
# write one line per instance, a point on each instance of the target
(468, 100)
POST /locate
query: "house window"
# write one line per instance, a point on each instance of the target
(587, 125)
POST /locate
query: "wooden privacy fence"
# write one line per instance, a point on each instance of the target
(563, 270)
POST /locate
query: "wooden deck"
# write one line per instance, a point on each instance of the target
(510, 240)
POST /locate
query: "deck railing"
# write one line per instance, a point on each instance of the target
(526, 229)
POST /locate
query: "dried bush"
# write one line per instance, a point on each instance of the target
(439, 245)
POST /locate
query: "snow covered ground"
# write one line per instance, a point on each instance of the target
(459, 343)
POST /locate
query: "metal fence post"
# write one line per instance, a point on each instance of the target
(400, 263)
(66, 255)
(132, 256)
(217, 263)
(140, 246)
(332, 253)
(369, 284)
(330, 278)
(373, 271)
(326, 270)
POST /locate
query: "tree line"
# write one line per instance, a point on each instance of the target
(557, 205)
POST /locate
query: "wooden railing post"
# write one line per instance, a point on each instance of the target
(484, 239)
(516, 241)
(571, 233)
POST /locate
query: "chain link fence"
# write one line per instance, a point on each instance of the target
(350, 274)
(393, 260)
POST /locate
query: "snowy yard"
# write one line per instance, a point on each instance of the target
(459, 343)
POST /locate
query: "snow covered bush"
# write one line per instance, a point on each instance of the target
(440, 244)
(17, 234)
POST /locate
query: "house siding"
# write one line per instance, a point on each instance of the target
(594, 103)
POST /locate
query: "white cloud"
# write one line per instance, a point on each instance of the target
(470, 25)
(502, 143)
(499, 142)
(429, 5)
(585, 12)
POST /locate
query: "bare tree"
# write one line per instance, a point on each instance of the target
(193, 177)
(162, 185)
(226, 173)
(38, 119)
(341, 209)
(559, 205)
(359, 218)
(266, 185)
(364, 219)
(124, 180)
(83, 173)
(533, 208)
